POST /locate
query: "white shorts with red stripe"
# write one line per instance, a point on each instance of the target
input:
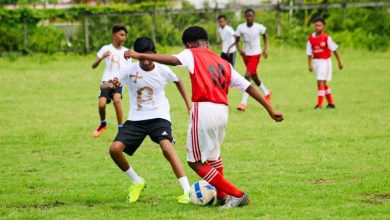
(323, 69)
(206, 131)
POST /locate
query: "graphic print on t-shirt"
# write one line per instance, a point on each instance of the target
(144, 97)
(136, 77)
(115, 65)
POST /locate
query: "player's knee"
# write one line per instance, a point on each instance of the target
(102, 103)
(115, 149)
(117, 100)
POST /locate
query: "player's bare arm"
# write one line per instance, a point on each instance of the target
(265, 49)
(340, 62)
(159, 58)
(110, 84)
(275, 115)
(180, 86)
(99, 59)
(237, 43)
(310, 63)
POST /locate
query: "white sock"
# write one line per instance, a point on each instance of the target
(133, 176)
(264, 89)
(244, 99)
(184, 184)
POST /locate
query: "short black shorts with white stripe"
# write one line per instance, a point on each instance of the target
(133, 133)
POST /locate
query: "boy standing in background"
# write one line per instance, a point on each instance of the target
(112, 54)
(319, 51)
(227, 36)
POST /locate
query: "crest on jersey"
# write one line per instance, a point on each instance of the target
(323, 44)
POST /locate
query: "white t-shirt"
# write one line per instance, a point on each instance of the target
(146, 91)
(237, 81)
(114, 63)
(228, 38)
(251, 37)
(331, 45)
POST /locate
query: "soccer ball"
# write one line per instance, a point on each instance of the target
(202, 193)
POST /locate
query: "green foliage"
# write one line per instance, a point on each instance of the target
(46, 39)
(361, 28)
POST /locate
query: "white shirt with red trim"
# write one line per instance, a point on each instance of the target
(331, 45)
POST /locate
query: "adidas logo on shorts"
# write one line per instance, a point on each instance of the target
(164, 133)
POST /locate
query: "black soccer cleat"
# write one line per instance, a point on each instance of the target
(331, 106)
(317, 107)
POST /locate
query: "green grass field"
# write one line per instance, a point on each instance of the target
(328, 164)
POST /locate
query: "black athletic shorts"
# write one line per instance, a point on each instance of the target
(109, 93)
(133, 133)
(231, 58)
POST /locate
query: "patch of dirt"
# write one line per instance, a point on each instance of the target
(377, 196)
(321, 181)
(371, 202)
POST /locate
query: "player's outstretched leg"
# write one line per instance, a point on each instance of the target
(118, 109)
(137, 182)
(211, 175)
(102, 112)
(178, 169)
(221, 195)
(328, 95)
(242, 105)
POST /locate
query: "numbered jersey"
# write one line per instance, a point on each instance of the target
(211, 78)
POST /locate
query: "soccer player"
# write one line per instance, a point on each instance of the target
(112, 54)
(149, 116)
(319, 51)
(227, 36)
(251, 52)
(211, 77)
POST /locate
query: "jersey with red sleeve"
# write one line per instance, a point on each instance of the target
(319, 46)
(211, 78)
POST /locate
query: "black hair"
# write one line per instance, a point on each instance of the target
(222, 16)
(249, 10)
(320, 20)
(194, 33)
(144, 44)
(119, 27)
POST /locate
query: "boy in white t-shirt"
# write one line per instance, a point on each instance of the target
(227, 36)
(149, 116)
(250, 32)
(112, 54)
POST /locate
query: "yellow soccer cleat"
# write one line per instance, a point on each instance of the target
(135, 191)
(184, 199)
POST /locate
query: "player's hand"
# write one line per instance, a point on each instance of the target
(106, 54)
(277, 116)
(265, 54)
(131, 54)
(341, 65)
(310, 68)
(116, 82)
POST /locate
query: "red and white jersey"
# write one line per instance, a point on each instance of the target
(210, 75)
(320, 47)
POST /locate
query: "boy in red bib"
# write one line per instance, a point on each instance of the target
(319, 51)
(211, 77)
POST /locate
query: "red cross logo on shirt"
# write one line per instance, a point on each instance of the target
(136, 77)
